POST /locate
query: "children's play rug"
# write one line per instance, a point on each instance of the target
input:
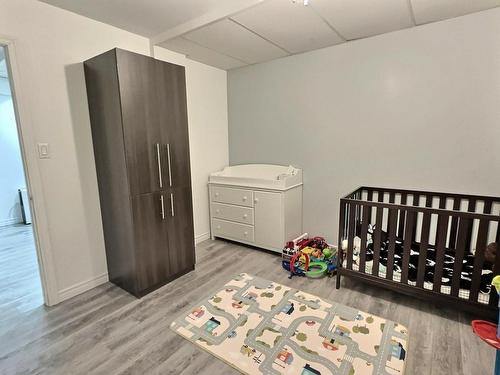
(262, 327)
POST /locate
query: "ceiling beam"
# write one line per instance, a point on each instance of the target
(206, 19)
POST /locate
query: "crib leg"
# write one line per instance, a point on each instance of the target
(497, 364)
(337, 286)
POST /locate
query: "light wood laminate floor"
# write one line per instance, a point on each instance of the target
(20, 288)
(106, 331)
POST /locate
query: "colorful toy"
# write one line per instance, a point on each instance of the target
(312, 258)
(489, 332)
(316, 270)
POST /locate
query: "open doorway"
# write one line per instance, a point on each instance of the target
(20, 285)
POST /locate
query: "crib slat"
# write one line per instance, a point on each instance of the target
(358, 213)
(364, 239)
(471, 208)
(370, 199)
(392, 199)
(409, 233)
(377, 236)
(381, 196)
(393, 217)
(416, 202)
(428, 200)
(442, 228)
(424, 245)
(350, 235)
(482, 237)
(402, 217)
(442, 202)
(487, 206)
(464, 226)
(454, 224)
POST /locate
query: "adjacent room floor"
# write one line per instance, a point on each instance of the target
(107, 331)
(20, 288)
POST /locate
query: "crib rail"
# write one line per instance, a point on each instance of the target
(458, 223)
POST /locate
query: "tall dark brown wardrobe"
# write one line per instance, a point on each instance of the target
(138, 114)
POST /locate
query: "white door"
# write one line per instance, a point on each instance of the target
(268, 219)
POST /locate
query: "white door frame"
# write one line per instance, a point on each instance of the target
(32, 174)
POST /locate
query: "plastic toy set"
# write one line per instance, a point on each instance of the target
(310, 257)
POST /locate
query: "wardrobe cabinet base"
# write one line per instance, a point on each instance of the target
(144, 292)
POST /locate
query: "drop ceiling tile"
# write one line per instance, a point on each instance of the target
(433, 10)
(201, 54)
(144, 17)
(292, 26)
(231, 39)
(356, 19)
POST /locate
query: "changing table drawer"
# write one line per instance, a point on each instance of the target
(233, 213)
(241, 197)
(235, 231)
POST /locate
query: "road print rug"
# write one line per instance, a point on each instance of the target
(262, 327)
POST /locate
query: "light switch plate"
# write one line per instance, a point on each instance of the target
(43, 150)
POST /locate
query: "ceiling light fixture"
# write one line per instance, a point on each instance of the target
(306, 2)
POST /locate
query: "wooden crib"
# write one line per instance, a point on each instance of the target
(407, 229)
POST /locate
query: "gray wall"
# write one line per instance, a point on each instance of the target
(418, 108)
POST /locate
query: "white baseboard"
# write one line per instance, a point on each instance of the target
(7, 222)
(81, 287)
(201, 237)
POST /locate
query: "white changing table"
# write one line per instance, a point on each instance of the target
(256, 204)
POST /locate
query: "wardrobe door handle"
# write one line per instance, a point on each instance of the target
(162, 207)
(172, 211)
(169, 165)
(158, 160)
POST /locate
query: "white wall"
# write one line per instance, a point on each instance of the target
(51, 44)
(11, 165)
(418, 108)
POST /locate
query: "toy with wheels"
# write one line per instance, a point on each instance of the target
(489, 332)
(312, 258)
(298, 265)
(317, 270)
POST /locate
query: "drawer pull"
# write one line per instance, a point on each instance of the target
(245, 216)
(245, 198)
(256, 200)
(218, 226)
(169, 166)
(162, 206)
(246, 233)
(216, 194)
(158, 160)
(217, 211)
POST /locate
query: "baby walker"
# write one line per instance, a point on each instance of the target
(489, 332)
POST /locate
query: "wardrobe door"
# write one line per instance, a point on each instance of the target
(171, 88)
(140, 117)
(180, 230)
(151, 240)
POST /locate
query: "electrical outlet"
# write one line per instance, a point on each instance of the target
(43, 150)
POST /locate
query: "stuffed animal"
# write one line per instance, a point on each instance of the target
(490, 254)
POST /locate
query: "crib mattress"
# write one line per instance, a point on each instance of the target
(396, 276)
